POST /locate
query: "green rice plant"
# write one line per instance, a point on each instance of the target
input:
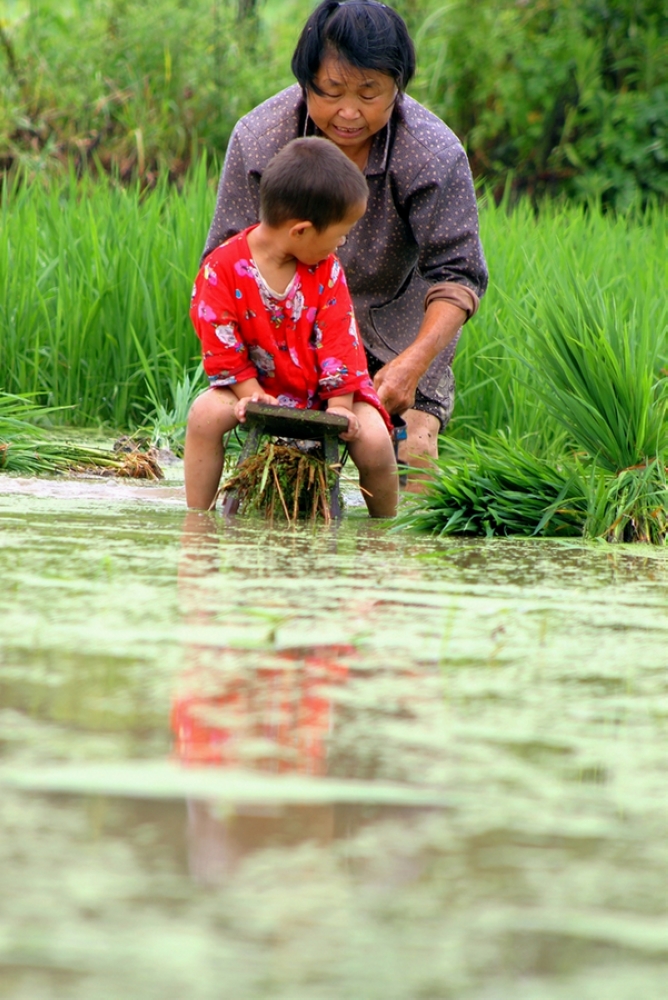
(95, 282)
(167, 427)
(633, 507)
(594, 363)
(528, 254)
(498, 487)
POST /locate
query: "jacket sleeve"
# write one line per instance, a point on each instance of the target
(238, 201)
(443, 215)
(224, 353)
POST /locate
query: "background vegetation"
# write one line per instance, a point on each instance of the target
(563, 95)
(558, 95)
(560, 423)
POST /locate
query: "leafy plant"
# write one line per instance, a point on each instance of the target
(498, 487)
(112, 85)
(562, 96)
(594, 364)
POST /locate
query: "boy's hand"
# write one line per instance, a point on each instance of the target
(256, 397)
(353, 423)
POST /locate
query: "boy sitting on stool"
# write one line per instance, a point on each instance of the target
(272, 309)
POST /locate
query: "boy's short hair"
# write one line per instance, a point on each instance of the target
(310, 180)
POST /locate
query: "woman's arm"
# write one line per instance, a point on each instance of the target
(397, 381)
(441, 208)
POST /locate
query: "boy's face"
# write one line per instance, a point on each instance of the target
(313, 246)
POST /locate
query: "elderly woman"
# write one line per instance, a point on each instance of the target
(414, 263)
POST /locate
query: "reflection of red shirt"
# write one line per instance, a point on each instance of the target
(303, 346)
(285, 705)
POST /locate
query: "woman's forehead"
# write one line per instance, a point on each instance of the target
(335, 69)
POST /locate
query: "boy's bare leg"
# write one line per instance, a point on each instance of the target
(420, 448)
(373, 454)
(211, 416)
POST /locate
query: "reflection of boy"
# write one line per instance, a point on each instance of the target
(272, 309)
(275, 718)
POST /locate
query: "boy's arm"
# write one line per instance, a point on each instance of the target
(249, 391)
(342, 406)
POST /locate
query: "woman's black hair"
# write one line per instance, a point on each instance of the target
(364, 33)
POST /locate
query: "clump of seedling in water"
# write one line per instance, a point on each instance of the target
(27, 449)
(283, 482)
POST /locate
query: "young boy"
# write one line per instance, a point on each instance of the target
(272, 309)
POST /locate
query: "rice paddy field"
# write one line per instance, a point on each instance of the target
(419, 761)
(302, 763)
(562, 376)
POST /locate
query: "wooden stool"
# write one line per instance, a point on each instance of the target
(301, 425)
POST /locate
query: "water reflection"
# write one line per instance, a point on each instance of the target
(525, 679)
(272, 711)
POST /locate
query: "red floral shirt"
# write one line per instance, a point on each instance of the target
(302, 346)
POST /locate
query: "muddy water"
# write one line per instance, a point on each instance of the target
(246, 763)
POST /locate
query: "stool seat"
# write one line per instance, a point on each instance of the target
(264, 419)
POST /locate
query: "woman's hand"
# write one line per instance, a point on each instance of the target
(353, 423)
(396, 384)
(256, 397)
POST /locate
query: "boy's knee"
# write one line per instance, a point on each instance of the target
(375, 451)
(212, 413)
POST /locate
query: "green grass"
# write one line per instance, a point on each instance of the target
(95, 281)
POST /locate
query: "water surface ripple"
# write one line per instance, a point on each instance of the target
(246, 762)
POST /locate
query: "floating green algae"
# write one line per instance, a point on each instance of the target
(513, 692)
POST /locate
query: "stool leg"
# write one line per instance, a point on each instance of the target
(331, 449)
(230, 503)
(251, 443)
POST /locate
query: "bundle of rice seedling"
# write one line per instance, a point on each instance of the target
(633, 507)
(595, 365)
(284, 482)
(26, 448)
(499, 488)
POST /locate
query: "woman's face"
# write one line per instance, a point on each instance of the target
(354, 103)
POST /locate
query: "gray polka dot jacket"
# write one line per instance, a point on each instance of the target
(418, 238)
